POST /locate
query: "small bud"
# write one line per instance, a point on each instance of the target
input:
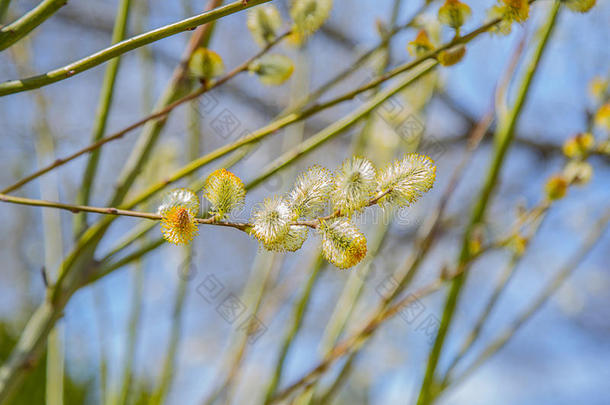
(407, 179)
(225, 191)
(342, 243)
(263, 23)
(556, 187)
(206, 64)
(579, 145)
(578, 172)
(311, 192)
(517, 243)
(355, 183)
(503, 27)
(178, 209)
(291, 242)
(604, 147)
(602, 116)
(598, 87)
(271, 222)
(454, 13)
(308, 16)
(515, 10)
(475, 243)
(579, 6)
(420, 45)
(452, 55)
(272, 70)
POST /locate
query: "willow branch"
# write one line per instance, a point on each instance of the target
(501, 284)
(553, 285)
(65, 72)
(101, 117)
(162, 113)
(503, 139)
(263, 132)
(24, 25)
(296, 322)
(353, 342)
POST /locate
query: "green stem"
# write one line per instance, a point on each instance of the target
(101, 117)
(65, 72)
(553, 285)
(137, 283)
(296, 321)
(100, 303)
(503, 139)
(3, 9)
(501, 284)
(169, 363)
(23, 26)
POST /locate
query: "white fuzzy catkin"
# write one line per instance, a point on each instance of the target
(311, 192)
(407, 179)
(180, 197)
(309, 15)
(263, 23)
(355, 184)
(271, 222)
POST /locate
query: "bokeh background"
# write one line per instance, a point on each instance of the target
(561, 356)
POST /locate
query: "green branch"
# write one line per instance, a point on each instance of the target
(65, 72)
(296, 321)
(503, 139)
(551, 287)
(101, 117)
(23, 26)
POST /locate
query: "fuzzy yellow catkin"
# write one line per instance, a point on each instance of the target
(179, 210)
(308, 16)
(556, 187)
(342, 243)
(515, 10)
(602, 116)
(225, 191)
(291, 241)
(178, 226)
(579, 145)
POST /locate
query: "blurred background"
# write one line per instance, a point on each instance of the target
(560, 356)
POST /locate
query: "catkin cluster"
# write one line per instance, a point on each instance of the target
(319, 200)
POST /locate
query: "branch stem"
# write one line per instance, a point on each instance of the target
(72, 69)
